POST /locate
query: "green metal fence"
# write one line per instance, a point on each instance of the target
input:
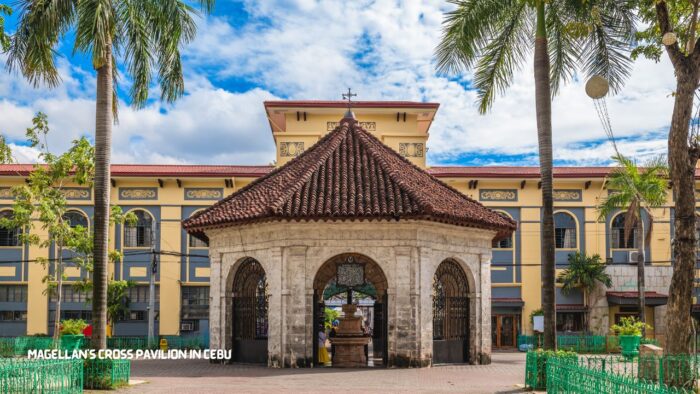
(605, 375)
(41, 376)
(580, 343)
(19, 346)
(536, 366)
(101, 374)
(132, 343)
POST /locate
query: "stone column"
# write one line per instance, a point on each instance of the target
(275, 311)
(407, 306)
(216, 293)
(294, 309)
(427, 265)
(483, 313)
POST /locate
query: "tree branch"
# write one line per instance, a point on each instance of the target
(674, 52)
(690, 45)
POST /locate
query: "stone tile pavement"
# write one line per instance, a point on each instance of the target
(504, 375)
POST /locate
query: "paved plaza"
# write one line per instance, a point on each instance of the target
(504, 375)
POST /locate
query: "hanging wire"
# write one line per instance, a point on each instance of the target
(601, 108)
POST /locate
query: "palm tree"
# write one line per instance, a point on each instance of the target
(584, 272)
(494, 37)
(637, 192)
(148, 35)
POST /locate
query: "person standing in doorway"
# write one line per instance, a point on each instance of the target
(323, 358)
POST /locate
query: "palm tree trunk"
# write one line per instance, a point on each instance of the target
(543, 107)
(641, 288)
(679, 333)
(59, 293)
(103, 141)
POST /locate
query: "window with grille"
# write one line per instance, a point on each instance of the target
(198, 243)
(13, 315)
(564, 231)
(140, 234)
(76, 218)
(9, 236)
(505, 243)
(13, 293)
(195, 302)
(139, 294)
(618, 234)
(71, 294)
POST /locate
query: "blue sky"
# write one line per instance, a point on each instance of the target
(251, 51)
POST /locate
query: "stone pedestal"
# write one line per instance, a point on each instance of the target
(350, 341)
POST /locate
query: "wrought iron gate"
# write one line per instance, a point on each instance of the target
(250, 304)
(450, 314)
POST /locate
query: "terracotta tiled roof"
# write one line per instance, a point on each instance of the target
(635, 294)
(159, 170)
(348, 175)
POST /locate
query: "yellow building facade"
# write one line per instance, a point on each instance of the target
(165, 195)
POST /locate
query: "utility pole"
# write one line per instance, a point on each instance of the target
(152, 288)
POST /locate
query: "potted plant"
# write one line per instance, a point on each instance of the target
(72, 334)
(629, 331)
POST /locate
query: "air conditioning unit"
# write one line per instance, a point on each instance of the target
(632, 257)
(187, 326)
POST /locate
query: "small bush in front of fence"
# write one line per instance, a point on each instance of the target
(105, 374)
(536, 366)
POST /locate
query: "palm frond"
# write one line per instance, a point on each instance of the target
(136, 38)
(95, 31)
(40, 27)
(563, 52)
(503, 55)
(606, 49)
(173, 26)
(466, 30)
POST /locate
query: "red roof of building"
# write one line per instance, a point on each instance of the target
(159, 170)
(635, 294)
(348, 175)
(343, 104)
(517, 172)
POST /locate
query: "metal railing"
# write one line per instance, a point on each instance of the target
(580, 343)
(619, 375)
(106, 374)
(41, 376)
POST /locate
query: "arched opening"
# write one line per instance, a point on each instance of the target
(250, 307)
(450, 314)
(617, 234)
(565, 234)
(140, 233)
(367, 293)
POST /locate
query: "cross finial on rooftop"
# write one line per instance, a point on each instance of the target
(348, 96)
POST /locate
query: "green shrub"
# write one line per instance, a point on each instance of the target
(629, 326)
(73, 326)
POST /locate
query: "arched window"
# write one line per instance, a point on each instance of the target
(76, 218)
(9, 237)
(140, 234)
(504, 243)
(565, 231)
(618, 234)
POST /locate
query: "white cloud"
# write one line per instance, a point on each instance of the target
(314, 50)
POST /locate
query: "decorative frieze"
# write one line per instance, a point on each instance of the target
(369, 126)
(77, 193)
(568, 195)
(6, 193)
(291, 149)
(204, 193)
(411, 149)
(498, 195)
(138, 193)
